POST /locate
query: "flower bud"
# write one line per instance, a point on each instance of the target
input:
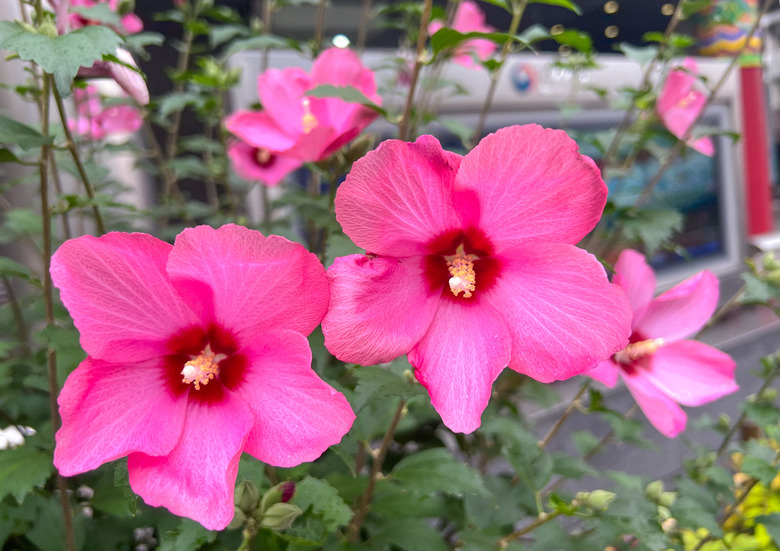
(239, 519)
(667, 499)
(247, 496)
(48, 29)
(125, 7)
(653, 490)
(669, 525)
(280, 516)
(597, 499)
(281, 493)
(770, 262)
(359, 148)
(773, 277)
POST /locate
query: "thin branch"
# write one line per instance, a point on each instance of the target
(172, 138)
(21, 327)
(403, 126)
(365, 20)
(541, 520)
(573, 404)
(319, 26)
(55, 174)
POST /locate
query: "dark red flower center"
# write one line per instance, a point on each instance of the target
(263, 157)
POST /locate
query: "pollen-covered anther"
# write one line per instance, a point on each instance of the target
(463, 278)
(308, 120)
(638, 350)
(200, 370)
(686, 100)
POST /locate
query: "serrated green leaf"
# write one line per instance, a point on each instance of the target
(324, 501)
(26, 137)
(764, 413)
(378, 382)
(188, 535)
(437, 470)
(346, 93)
(410, 534)
(756, 290)
(22, 469)
(651, 227)
(61, 55)
(521, 449)
(562, 3)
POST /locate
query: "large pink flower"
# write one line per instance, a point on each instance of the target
(305, 128)
(472, 266)
(196, 353)
(679, 104)
(469, 18)
(95, 122)
(660, 367)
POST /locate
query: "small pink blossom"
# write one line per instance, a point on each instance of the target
(96, 122)
(679, 104)
(130, 23)
(196, 353)
(469, 18)
(471, 266)
(293, 126)
(660, 368)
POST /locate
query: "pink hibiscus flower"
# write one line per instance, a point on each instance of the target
(472, 266)
(196, 353)
(96, 122)
(679, 104)
(258, 164)
(661, 368)
(304, 128)
(130, 23)
(469, 18)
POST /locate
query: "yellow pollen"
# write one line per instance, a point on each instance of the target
(686, 100)
(638, 350)
(201, 370)
(308, 120)
(463, 277)
(263, 156)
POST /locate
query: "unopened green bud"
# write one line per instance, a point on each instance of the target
(773, 277)
(247, 496)
(667, 499)
(724, 421)
(281, 493)
(599, 499)
(280, 516)
(359, 148)
(239, 518)
(770, 262)
(48, 29)
(768, 395)
(653, 490)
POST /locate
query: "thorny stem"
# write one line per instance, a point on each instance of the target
(517, 15)
(403, 126)
(573, 404)
(51, 354)
(542, 519)
(101, 228)
(376, 471)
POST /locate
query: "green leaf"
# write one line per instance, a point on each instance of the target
(188, 536)
(764, 413)
(224, 33)
(22, 469)
(137, 43)
(652, 227)
(759, 462)
(521, 449)
(585, 441)
(692, 7)
(324, 501)
(122, 482)
(10, 267)
(637, 54)
(571, 467)
(346, 93)
(261, 42)
(756, 291)
(376, 382)
(437, 470)
(446, 38)
(578, 40)
(61, 55)
(562, 3)
(26, 137)
(7, 156)
(772, 525)
(410, 534)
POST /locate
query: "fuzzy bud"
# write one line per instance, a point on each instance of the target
(48, 29)
(653, 490)
(281, 493)
(239, 519)
(280, 516)
(597, 499)
(667, 499)
(247, 496)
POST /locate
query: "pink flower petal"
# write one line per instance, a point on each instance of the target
(465, 349)
(636, 278)
(244, 158)
(118, 293)
(130, 81)
(563, 313)
(682, 310)
(527, 184)
(120, 119)
(677, 85)
(469, 18)
(704, 145)
(258, 129)
(249, 283)
(342, 67)
(109, 410)
(605, 372)
(379, 308)
(132, 23)
(691, 372)
(281, 93)
(398, 197)
(298, 415)
(662, 412)
(197, 478)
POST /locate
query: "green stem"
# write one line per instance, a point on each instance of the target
(365, 19)
(517, 15)
(716, 317)
(573, 404)
(172, 138)
(376, 470)
(55, 174)
(21, 327)
(425, 19)
(101, 228)
(541, 520)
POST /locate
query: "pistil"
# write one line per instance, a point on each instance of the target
(463, 278)
(638, 350)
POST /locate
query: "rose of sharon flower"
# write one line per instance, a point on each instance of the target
(293, 129)
(660, 367)
(472, 266)
(679, 104)
(469, 18)
(96, 122)
(196, 353)
(130, 23)
(130, 81)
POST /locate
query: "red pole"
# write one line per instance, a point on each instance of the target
(755, 144)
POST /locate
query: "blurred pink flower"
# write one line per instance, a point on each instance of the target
(469, 18)
(679, 104)
(661, 368)
(472, 266)
(95, 122)
(308, 129)
(130, 81)
(130, 23)
(196, 353)
(258, 164)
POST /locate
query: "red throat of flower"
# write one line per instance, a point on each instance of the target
(638, 350)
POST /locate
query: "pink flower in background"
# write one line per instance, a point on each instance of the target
(130, 81)
(679, 104)
(130, 23)
(472, 266)
(661, 368)
(294, 126)
(469, 18)
(95, 122)
(196, 353)
(257, 164)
